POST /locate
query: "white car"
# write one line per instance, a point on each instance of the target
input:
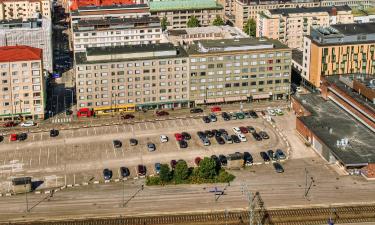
(242, 137)
(299, 90)
(271, 112)
(163, 138)
(29, 123)
(236, 130)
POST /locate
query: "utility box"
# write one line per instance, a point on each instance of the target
(21, 185)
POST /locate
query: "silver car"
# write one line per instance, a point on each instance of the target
(151, 147)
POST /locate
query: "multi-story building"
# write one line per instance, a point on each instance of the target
(361, 4)
(179, 12)
(189, 35)
(289, 25)
(338, 49)
(33, 32)
(75, 4)
(24, 9)
(244, 69)
(115, 32)
(145, 75)
(22, 83)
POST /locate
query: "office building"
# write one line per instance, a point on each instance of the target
(24, 9)
(179, 12)
(338, 49)
(146, 75)
(34, 32)
(22, 83)
(233, 70)
(290, 25)
(360, 4)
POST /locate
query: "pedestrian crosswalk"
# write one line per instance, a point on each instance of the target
(62, 120)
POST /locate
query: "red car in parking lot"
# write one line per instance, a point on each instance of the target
(10, 124)
(244, 130)
(13, 137)
(178, 137)
(215, 109)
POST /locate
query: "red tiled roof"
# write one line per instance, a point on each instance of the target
(19, 53)
(80, 3)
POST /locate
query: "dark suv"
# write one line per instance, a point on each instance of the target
(196, 110)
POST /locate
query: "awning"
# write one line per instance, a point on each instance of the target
(211, 100)
(219, 99)
(262, 96)
(233, 99)
(199, 101)
(244, 98)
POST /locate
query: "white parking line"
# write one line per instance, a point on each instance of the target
(40, 153)
(106, 152)
(114, 151)
(95, 131)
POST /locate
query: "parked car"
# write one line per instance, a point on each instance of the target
(196, 110)
(223, 160)
(264, 156)
(13, 137)
(279, 112)
(228, 139)
(1, 138)
(10, 124)
(124, 171)
(278, 167)
(157, 168)
(141, 170)
(107, 174)
(271, 154)
(247, 114)
(251, 129)
(264, 135)
(21, 137)
(54, 133)
(206, 119)
(235, 138)
(233, 116)
(117, 143)
(178, 137)
(253, 114)
(183, 144)
(215, 109)
(247, 158)
(271, 112)
(161, 113)
(225, 116)
(257, 136)
(151, 147)
(206, 142)
(208, 133)
(127, 117)
(240, 115)
(186, 136)
(133, 141)
(201, 135)
(197, 160)
(219, 140)
(28, 123)
(279, 154)
(163, 138)
(223, 131)
(244, 130)
(213, 117)
(173, 163)
(236, 130)
(242, 137)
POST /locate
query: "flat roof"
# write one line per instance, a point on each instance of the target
(355, 28)
(240, 44)
(233, 31)
(174, 5)
(326, 116)
(297, 56)
(287, 11)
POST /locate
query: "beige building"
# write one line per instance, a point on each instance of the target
(24, 9)
(290, 25)
(233, 70)
(145, 75)
(22, 83)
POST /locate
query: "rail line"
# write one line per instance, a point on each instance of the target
(300, 216)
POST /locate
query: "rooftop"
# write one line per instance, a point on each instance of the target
(287, 11)
(331, 124)
(241, 44)
(81, 3)
(354, 29)
(297, 56)
(231, 31)
(174, 5)
(99, 9)
(19, 53)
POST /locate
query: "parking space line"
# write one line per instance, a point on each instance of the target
(135, 169)
(56, 155)
(114, 151)
(106, 152)
(40, 153)
(123, 154)
(117, 128)
(47, 155)
(41, 136)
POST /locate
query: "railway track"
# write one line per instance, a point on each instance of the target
(305, 216)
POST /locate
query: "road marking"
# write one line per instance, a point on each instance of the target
(95, 131)
(56, 155)
(114, 151)
(117, 128)
(47, 155)
(41, 136)
(40, 153)
(106, 152)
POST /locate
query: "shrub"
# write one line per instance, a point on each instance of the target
(153, 181)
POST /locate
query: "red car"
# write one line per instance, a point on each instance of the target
(197, 161)
(178, 137)
(13, 137)
(244, 130)
(127, 117)
(162, 113)
(10, 124)
(215, 109)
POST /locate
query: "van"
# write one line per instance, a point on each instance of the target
(227, 139)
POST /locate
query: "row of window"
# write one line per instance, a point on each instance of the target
(118, 32)
(137, 64)
(243, 70)
(34, 65)
(242, 84)
(146, 85)
(129, 87)
(238, 57)
(243, 77)
(236, 92)
(17, 103)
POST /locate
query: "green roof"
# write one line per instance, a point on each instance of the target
(173, 5)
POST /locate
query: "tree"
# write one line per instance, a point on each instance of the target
(207, 168)
(250, 26)
(193, 22)
(218, 21)
(181, 172)
(165, 173)
(164, 23)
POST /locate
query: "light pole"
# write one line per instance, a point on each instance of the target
(27, 201)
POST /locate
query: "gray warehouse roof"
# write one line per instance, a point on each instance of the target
(353, 29)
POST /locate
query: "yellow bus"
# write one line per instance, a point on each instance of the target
(115, 109)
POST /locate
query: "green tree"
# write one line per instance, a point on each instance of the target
(165, 173)
(181, 172)
(164, 23)
(193, 22)
(207, 168)
(250, 26)
(218, 21)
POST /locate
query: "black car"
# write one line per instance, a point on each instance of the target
(247, 158)
(117, 143)
(21, 136)
(196, 110)
(271, 154)
(278, 168)
(279, 154)
(206, 119)
(209, 133)
(223, 160)
(1, 138)
(53, 133)
(264, 135)
(265, 156)
(223, 131)
(253, 114)
(186, 135)
(247, 114)
(235, 138)
(201, 135)
(215, 158)
(124, 171)
(225, 116)
(257, 136)
(142, 170)
(107, 173)
(133, 142)
(173, 163)
(251, 129)
(220, 140)
(183, 144)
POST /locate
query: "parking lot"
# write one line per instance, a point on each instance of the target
(79, 156)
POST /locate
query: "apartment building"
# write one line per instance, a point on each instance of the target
(338, 49)
(360, 4)
(179, 12)
(24, 9)
(22, 83)
(35, 32)
(291, 24)
(145, 75)
(233, 70)
(75, 4)
(116, 32)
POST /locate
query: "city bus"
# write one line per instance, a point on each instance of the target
(117, 109)
(85, 112)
